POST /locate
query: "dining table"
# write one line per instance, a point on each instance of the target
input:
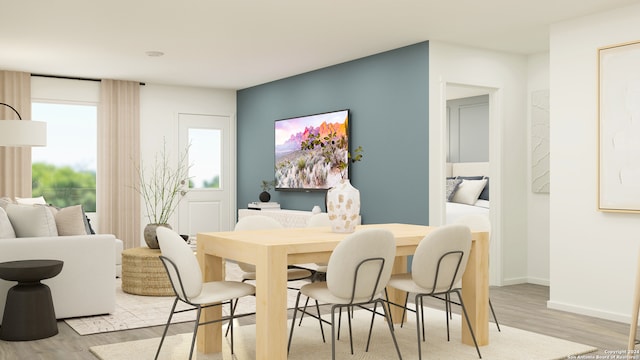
(272, 250)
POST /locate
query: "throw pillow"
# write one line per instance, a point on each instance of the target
(452, 186)
(31, 201)
(31, 220)
(469, 191)
(70, 221)
(6, 229)
(4, 201)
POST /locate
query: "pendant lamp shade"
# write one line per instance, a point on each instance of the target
(22, 132)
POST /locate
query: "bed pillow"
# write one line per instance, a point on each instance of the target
(484, 195)
(452, 186)
(31, 220)
(469, 191)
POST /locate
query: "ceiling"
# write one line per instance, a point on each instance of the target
(235, 44)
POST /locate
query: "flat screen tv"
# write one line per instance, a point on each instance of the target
(311, 151)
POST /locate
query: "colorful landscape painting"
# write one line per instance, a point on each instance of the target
(300, 167)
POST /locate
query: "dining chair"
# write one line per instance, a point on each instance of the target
(357, 273)
(261, 222)
(437, 267)
(185, 276)
(477, 222)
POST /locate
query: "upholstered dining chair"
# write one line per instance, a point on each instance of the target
(437, 267)
(477, 222)
(357, 273)
(186, 279)
(261, 222)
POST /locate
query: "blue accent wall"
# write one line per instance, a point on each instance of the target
(387, 95)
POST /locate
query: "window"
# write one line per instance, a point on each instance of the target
(64, 171)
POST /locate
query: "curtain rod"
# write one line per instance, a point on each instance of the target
(72, 78)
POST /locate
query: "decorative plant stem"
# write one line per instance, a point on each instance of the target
(160, 186)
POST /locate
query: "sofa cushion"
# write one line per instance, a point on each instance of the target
(70, 221)
(31, 220)
(6, 229)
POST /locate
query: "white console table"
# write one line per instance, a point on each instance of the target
(288, 218)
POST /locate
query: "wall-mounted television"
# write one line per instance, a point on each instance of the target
(311, 152)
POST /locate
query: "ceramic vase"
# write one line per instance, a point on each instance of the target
(150, 235)
(343, 207)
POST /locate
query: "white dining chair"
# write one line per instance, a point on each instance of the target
(185, 276)
(437, 267)
(357, 273)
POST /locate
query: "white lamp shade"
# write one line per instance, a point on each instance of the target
(23, 133)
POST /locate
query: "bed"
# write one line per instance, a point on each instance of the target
(467, 190)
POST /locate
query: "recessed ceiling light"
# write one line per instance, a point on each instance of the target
(154, 53)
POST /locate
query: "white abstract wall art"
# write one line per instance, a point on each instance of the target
(540, 179)
(619, 127)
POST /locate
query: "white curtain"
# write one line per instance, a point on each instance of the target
(15, 162)
(118, 204)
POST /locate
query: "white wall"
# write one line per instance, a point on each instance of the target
(537, 203)
(593, 254)
(505, 76)
(159, 109)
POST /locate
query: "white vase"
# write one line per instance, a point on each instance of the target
(343, 207)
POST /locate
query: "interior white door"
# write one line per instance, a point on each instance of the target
(207, 195)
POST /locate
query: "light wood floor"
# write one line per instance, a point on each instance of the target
(520, 306)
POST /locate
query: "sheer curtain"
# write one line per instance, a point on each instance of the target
(15, 162)
(118, 204)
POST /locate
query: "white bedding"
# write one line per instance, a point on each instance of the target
(456, 210)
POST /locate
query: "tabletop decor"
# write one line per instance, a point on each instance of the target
(266, 186)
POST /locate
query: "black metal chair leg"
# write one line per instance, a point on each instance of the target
(195, 332)
(293, 321)
(495, 319)
(473, 336)
(166, 327)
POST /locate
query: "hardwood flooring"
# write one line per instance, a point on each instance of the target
(521, 306)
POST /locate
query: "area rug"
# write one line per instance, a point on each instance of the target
(135, 311)
(307, 343)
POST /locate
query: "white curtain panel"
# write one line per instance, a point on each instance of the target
(15, 162)
(118, 204)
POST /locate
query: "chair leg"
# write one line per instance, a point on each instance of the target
(387, 315)
(418, 311)
(195, 332)
(333, 331)
(495, 319)
(293, 321)
(319, 321)
(166, 327)
(373, 317)
(233, 309)
(464, 310)
(350, 334)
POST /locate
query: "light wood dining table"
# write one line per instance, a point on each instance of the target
(272, 250)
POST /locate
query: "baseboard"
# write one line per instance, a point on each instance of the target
(514, 281)
(538, 281)
(623, 318)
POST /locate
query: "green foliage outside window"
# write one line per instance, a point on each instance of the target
(63, 186)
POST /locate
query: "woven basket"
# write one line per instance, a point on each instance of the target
(144, 274)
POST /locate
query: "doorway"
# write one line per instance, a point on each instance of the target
(457, 91)
(207, 196)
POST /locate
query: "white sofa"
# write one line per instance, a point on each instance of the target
(86, 284)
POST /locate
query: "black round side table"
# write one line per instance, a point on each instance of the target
(28, 312)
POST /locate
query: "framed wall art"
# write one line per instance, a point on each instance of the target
(619, 127)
